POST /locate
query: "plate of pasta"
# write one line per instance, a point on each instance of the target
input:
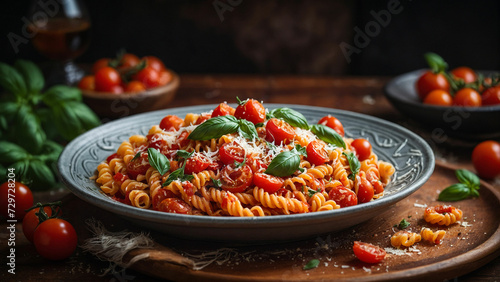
(244, 172)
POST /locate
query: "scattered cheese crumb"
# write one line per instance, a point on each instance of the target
(419, 205)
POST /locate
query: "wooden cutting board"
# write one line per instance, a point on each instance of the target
(467, 245)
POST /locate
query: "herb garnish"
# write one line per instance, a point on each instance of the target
(354, 164)
(158, 161)
(468, 187)
(311, 264)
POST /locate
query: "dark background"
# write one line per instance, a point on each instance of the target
(281, 37)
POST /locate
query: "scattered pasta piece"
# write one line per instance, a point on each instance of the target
(433, 237)
(405, 238)
(442, 215)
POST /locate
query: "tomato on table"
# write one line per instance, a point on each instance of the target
(99, 64)
(333, 123)
(174, 205)
(31, 221)
(491, 96)
(368, 253)
(316, 153)
(18, 202)
(197, 164)
(438, 97)
(251, 110)
(223, 109)
(431, 81)
(363, 148)
(236, 179)
(138, 166)
(279, 131)
(231, 152)
(149, 76)
(467, 97)
(171, 123)
(343, 196)
(365, 190)
(154, 62)
(465, 73)
(55, 239)
(135, 86)
(269, 183)
(106, 79)
(486, 159)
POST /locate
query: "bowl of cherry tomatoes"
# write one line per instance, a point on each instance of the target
(127, 84)
(461, 102)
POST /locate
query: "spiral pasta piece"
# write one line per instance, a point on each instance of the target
(126, 151)
(442, 215)
(139, 199)
(433, 237)
(405, 238)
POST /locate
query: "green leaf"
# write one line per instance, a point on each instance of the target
(468, 178)
(12, 81)
(66, 121)
(50, 151)
(217, 183)
(158, 161)
(10, 153)
(354, 164)
(455, 192)
(61, 93)
(311, 192)
(247, 129)
(178, 174)
(88, 119)
(32, 75)
(239, 165)
(292, 117)
(40, 175)
(301, 150)
(136, 156)
(311, 264)
(435, 62)
(403, 224)
(284, 164)
(328, 135)
(215, 128)
(21, 170)
(184, 154)
(28, 130)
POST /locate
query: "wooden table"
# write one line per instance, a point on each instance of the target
(358, 94)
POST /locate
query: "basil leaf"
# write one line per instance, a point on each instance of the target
(12, 81)
(136, 156)
(8, 110)
(435, 62)
(158, 161)
(59, 93)
(403, 224)
(88, 119)
(215, 128)
(217, 183)
(455, 192)
(184, 154)
(328, 135)
(40, 175)
(67, 123)
(311, 192)
(21, 170)
(247, 129)
(50, 151)
(354, 164)
(28, 130)
(178, 174)
(311, 264)
(301, 150)
(11, 153)
(271, 146)
(284, 164)
(32, 75)
(239, 165)
(292, 117)
(468, 178)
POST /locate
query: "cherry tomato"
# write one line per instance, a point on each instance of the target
(138, 166)
(119, 177)
(279, 131)
(491, 96)
(161, 195)
(252, 110)
(316, 153)
(236, 180)
(368, 253)
(231, 152)
(431, 81)
(486, 159)
(87, 83)
(465, 73)
(438, 97)
(149, 76)
(268, 182)
(165, 77)
(363, 148)
(467, 97)
(112, 156)
(174, 205)
(99, 64)
(17, 198)
(156, 141)
(196, 164)
(128, 60)
(135, 86)
(202, 118)
(154, 62)
(55, 239)
(333, 123)
(171, 123)
(117, 89)
(343, 196)
(30, 222)
(256, 164)
(365, 190)
(106, 78)
(223, 109)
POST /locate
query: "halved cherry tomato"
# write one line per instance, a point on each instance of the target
(316, 153)
(486, 159)
(161, 195)
(236, 179)
(431, 81)
(223, 109)
(231, 152)
(30, 222)
(279, 131)
(119, 177)
(55, 239)
(171, 123)
(465, 73)
(196, 164)
(491, 96)
(156, 141)
(99, 64)
(106, 79)
(174, 205)
(343, 196)
(138, 166)
(467, 97)
(128, 60)
(135, 86)
(363, 148)
(438, 97)
(19, 201)
(252, 110)
(368, 253)
(87, 83)
(268, 182)
(149, 76)
(365, 190)
(155, 63)
(333, 123)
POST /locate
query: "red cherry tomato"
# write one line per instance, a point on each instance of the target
(155, 63)
(135, 86)
(128, 60)
(117, 89)
(138, 166)
(491, 96)
(112, 156)
(343, 196)
(149, 76)
(365, 190)
(106, 79)
(174, 205)
(161, 195)
(316, 153)
(333, 123)
(465, 73)
(55, 239)
(368, 253)
(256, 164)
(439, 98)
(202, 118)
(196, 164)
(231, 152)
(279, 131)
(252, 110)
(467, 97)
(156, 141)
(431, 81)
(236, 179)
(15, 198)
(30, 222)
(171, 123)
(486, 159)
(268, 182)
(165, 77)
(99, 64)
(223, 109)
(87, 83)
(363, 148)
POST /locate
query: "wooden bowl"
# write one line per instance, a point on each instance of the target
(108, 105)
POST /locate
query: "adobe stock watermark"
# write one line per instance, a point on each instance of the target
(222, 6)
(362, 38)
(49, 9)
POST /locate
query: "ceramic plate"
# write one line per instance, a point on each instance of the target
(411, 156)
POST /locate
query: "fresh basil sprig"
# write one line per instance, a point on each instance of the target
(158, 161)
(311, 264)
(222, 125)
(217, 183)
(468, 187)
(284, 164)
(354, 164)
(184, 154)
(328, 135)
(292, 117)
(178, 174)
(301, 150)
(247, 129)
